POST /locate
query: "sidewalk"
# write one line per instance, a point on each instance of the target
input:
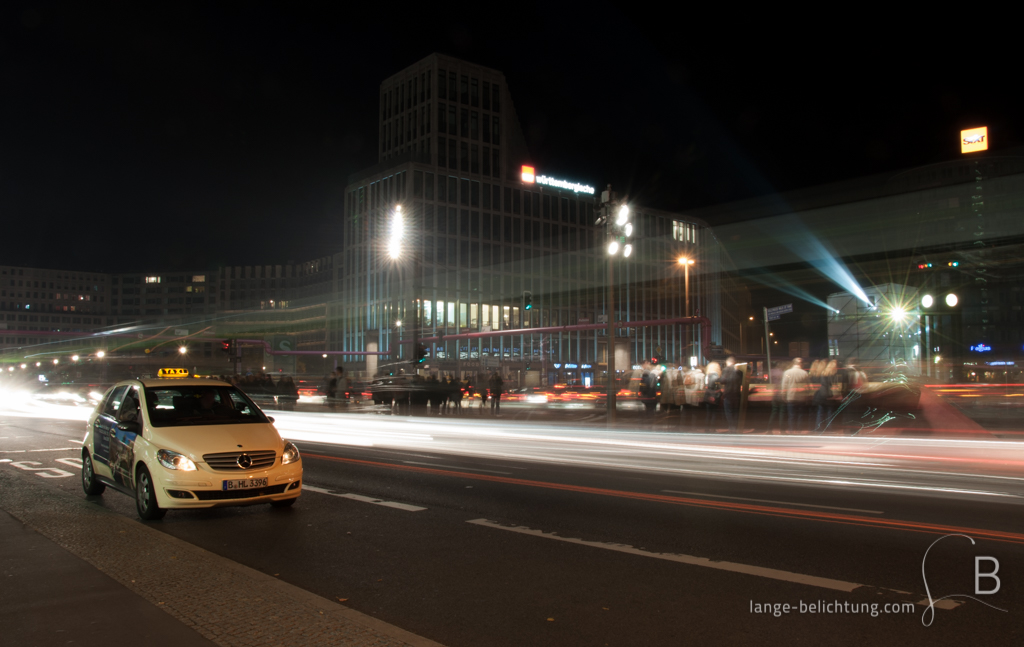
(77, 574)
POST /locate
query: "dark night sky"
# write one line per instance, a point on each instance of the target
(191, 135)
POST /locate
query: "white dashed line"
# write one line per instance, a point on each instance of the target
(455, 467)
(775, 574)
(366, 499)
(804, 505)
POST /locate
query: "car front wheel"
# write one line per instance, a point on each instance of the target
(145, 496)
(90, 484)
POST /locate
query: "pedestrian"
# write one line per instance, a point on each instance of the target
(647, 390)
(778, 415)
(287, 393)
(732, 384)
(712, 395)
(434, 398)
(693, 386)
(455, 395)
(496, 386)
(823, 400)
(332, 391)
(794, 383)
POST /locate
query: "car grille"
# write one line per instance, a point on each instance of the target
(220, 495)
(228, 461)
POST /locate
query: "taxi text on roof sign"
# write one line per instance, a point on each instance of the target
(172, 372)
(530, 177)
(974, 139)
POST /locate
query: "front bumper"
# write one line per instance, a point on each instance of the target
(204, 488)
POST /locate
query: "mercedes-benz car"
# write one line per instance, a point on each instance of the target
(180, 442)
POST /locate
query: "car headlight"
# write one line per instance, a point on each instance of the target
(290, 455)
(175, 461)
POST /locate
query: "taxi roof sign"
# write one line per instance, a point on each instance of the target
(172, 372)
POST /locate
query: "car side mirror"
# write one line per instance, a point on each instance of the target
(130, 426)
(270, 419)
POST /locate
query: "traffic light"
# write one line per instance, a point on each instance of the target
(420, 354)
(227, 346)
(527, 300)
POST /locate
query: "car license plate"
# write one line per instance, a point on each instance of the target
(245, 484)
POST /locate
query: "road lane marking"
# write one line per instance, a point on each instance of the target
(457, 467)
(772, 573)
(733, 567)
(768, 511)
(57, 449)
(366, 499)
(806, 505)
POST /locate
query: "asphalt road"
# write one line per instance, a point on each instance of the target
(541, 537)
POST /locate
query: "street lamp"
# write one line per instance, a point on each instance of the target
(617, 232)
(181, 349)
(101, 354)
(74, 358)
(397, 231)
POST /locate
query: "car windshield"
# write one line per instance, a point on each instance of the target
(178, 406)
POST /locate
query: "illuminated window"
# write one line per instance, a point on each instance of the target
(199, 279)
(152, 279)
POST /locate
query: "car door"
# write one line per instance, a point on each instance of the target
(122, 441)
(103, 429)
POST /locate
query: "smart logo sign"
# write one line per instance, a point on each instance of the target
(973, 140)
(529, 175)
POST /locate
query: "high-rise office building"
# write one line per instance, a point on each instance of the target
(450, 234)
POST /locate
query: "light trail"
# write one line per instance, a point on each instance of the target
(936, 466)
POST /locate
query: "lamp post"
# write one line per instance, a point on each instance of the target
(618, 230)
(686, 262)
(395, 251)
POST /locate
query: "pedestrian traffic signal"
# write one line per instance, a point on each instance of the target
(420, 354)
(228, 346)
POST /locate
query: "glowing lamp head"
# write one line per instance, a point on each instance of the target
(24, 365)
(74, 358)
(897, 314)
(613, 248)
(927, 301)
(324, 356)
(55, 362)
(951, 300)
(628, 229)
(182, 350)
(623, 215)
(100, 354)
(399, 323)
(627, 250)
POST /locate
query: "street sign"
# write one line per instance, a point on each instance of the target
(773, 314)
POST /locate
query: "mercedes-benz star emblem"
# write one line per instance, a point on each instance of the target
(244, 461)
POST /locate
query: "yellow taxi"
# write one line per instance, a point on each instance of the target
(182, 442)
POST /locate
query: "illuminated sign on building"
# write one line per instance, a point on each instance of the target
(529, 176)
(981, 348)
(973, 140)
